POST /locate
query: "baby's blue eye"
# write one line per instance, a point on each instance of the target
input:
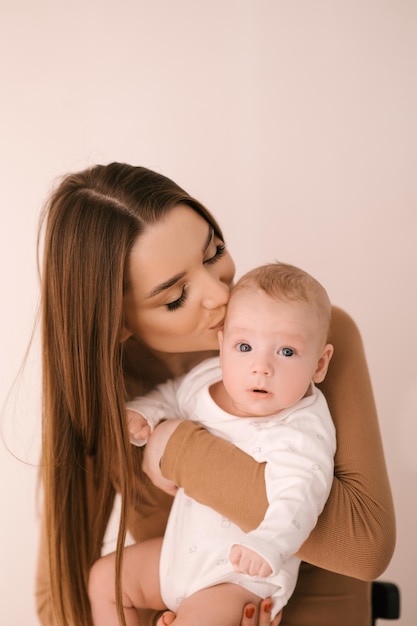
(286, 352)
(243, 347)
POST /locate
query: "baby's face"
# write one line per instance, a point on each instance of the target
(270, 352)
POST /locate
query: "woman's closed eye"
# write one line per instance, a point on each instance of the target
(176, 304)
(220, 251)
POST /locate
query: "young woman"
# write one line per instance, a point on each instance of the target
(136, 278)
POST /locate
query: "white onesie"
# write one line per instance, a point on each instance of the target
(298, 447)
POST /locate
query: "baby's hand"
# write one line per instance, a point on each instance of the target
(139, 428)
(248, 561)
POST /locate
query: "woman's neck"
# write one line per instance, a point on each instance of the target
(179, 364)
(144, 368)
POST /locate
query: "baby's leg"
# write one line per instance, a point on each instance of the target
(140, 584)
(220, 605)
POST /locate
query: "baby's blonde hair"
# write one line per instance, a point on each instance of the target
(288, 283)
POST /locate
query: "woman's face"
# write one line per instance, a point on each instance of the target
(179, 278)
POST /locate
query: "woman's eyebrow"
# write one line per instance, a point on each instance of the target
(171, 281)
(165, 285)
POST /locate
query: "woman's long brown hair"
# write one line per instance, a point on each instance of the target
(89, 226)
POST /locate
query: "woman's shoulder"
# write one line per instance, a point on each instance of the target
(342, 326)
(340, 316)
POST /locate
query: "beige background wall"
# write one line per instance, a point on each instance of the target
(294, 121)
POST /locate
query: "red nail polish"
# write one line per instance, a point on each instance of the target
(249, 611)
(267, 607)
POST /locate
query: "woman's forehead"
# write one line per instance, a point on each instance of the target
(166, 248)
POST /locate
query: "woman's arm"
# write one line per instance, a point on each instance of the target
(355, 534)
(211, 470)
(363, 544)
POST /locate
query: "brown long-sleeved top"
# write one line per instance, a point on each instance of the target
(354, 538)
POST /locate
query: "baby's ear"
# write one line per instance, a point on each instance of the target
(323, 363)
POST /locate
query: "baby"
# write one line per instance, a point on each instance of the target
(260, 394)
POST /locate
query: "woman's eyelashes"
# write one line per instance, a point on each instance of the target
(220, 251)
(179, 302)
(176, 304)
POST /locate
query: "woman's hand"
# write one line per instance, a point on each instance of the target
(154, 452)
(166, 619)
(249, 618)
(260, 616)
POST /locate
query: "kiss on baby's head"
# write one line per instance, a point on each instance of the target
(287, 283)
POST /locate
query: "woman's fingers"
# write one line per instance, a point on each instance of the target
(249, 615)
(265, 613)
(154, 451)
(261, 616)
(166, 619)
(277, 619)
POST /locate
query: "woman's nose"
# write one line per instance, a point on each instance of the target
(216, 292)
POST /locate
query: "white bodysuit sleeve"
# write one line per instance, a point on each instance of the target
(159, 404)
(299, 472)
(175, 397)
